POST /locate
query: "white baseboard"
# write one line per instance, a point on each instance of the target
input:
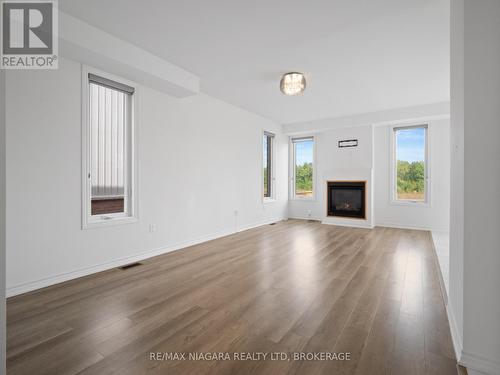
(456, 337)
(478, 364)
(304, 218)
(56, 279)
(258, 224)
(444, 292)
(404, 226)
(352, 224)
(340, 224)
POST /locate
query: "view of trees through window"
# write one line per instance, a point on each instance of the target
(303, 150)
(410, 163)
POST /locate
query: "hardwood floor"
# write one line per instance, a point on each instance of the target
(296, 286)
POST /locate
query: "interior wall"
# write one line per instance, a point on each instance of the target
(329, 157)
(373, 152)
(434, 216)
(481, 345)
(200, 173)
(455, 298)
(2, 223)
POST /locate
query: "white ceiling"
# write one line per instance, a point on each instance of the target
(358, 55)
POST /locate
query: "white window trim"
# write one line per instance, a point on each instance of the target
(393, 177)
(291, 172)
(117, 218)
(272, 198)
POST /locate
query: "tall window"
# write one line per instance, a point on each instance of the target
(410, 163)
(267, 168)
(303, 167)
(109, 151)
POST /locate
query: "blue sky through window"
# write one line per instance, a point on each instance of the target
(410, 144)
(303, 152)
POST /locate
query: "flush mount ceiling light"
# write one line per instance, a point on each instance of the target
(292, 83)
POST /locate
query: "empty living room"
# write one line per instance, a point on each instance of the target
(250, 187)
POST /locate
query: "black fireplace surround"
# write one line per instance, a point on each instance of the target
(346, 199)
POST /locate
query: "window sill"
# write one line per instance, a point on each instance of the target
(410, 203)
(268, 200)
(302, 199)
(109, 222)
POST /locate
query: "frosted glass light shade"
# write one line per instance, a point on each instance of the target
(292, 83)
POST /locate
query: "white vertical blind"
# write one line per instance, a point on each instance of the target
(108, 136)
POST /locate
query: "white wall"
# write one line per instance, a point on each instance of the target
(329, 158)
(426, 112)
(434, 216)
(455, 298)
(199, 162)
(90, 45)
(481, 119)
(374, 152)
(2, 224)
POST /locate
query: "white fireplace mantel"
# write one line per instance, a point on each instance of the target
(348, 174)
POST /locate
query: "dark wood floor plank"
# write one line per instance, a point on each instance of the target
(296, 286)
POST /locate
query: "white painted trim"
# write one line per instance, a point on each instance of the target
(409, 203)
(291, 171)
(456, 338)
(444, 292)
(455, 334)
(348, 224)
(258, 224)
(399, 226)
(119, 220)
(56, 279)
(427, 165)
(305, 218)
(480, 364)
(132, 155)
(268, 200)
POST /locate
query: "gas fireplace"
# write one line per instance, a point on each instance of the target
(346, 199)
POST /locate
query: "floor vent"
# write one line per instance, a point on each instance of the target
(127, 266)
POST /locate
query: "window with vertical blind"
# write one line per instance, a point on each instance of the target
(302, 167)
(267, 167)
(109, 166)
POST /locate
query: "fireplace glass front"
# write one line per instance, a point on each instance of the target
(346, 199)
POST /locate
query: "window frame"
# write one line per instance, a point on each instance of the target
(272, 164)
(292, 195)
(132, 214)
(393, 165)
